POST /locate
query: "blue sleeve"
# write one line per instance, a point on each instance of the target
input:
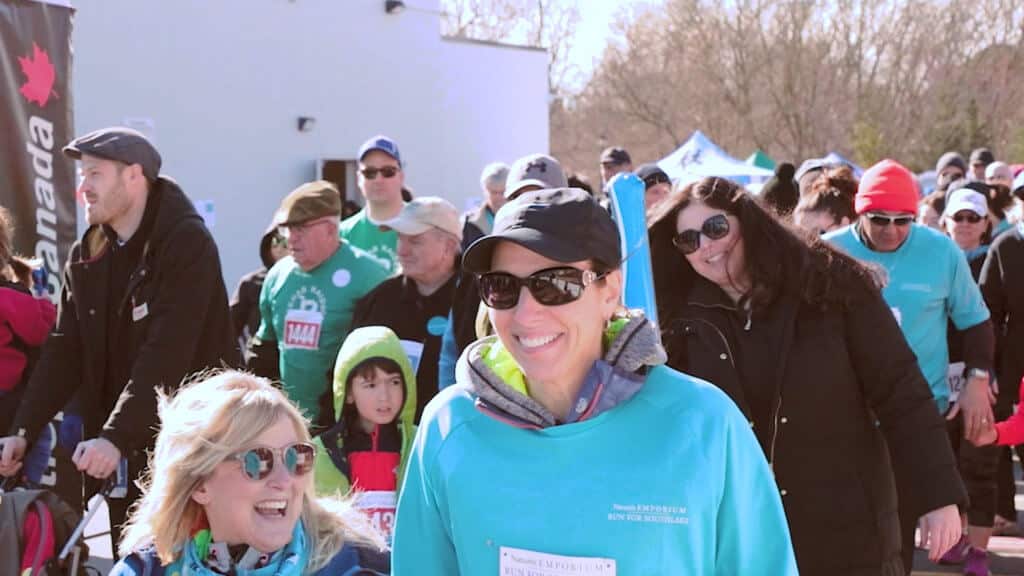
(422, 545)
(752, 532)
(966, 305)
(449, 355)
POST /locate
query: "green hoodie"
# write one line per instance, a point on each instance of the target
(362, 344)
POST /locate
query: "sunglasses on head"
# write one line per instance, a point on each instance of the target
(883, 220)
(970, 217)
(258, 463)
(714, 228)
(550, 287)
(386, 172)
(655, 179)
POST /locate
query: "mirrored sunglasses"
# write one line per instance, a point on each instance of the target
(258, 463)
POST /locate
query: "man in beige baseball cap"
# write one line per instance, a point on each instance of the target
(416, 303)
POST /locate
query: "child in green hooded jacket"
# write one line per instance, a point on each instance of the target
(374, 405)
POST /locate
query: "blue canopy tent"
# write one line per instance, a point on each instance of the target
(700, 157)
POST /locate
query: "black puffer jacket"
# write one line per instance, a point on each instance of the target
(180, 325)
(844, 398)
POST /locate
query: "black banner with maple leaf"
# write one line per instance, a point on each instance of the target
(37, 182)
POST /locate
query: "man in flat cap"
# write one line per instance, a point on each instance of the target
(307, 299)
(142, 306)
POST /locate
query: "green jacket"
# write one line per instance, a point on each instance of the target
(362, 344)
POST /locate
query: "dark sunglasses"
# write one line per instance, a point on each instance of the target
(969, 217)
(387, 172)
(881, 220)
(278, 241)
(550, 287)
(655, 179)
(258, 463)
(715, 228)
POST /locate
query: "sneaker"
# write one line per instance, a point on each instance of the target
(958, 553)
(977, 563)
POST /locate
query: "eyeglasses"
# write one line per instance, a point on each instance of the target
(714, 228)
(655, 179)
(278, 241)
(287, 231)
(258, 463)
(550, 287)
(882, 220)
(386, 172)
(969, 217)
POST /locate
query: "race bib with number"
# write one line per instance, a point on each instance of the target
(517, 562)
(956, 379)
(302, 329)
(380, 506)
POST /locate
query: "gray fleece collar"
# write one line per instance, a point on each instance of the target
(634, 348)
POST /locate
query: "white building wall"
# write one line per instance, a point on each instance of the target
(223, 82)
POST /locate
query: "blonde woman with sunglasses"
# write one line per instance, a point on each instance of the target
(230, 491)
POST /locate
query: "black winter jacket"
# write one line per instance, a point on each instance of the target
(180, 325)
(1002, 285)
(850, 417)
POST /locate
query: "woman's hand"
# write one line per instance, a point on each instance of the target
(940, 530)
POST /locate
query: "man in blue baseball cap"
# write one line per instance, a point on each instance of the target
(380, 181)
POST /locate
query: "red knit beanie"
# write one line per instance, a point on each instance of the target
(887, 186)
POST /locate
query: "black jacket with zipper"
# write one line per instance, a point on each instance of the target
(179, 325)
(849, 417)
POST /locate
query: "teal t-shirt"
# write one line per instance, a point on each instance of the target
(671, 481)
(309, 314)
(929, 282)
(365, 234)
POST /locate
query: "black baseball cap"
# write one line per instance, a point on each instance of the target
(120, 144)
(563, 224)
(648, 170)
(615, 155)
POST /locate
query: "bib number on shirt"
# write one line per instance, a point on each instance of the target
(956, 379)
(518, 562)
(302, 329)
(380, 506)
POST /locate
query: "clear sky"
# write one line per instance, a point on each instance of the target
(595, 30)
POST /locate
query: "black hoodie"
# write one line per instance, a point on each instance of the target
(175, 314)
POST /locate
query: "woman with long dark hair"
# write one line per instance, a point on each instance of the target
(800, 338)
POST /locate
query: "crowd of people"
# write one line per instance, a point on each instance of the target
(408, 390)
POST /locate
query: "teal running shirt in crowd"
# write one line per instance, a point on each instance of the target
(929, 282)
(363, 233)
(671, 481)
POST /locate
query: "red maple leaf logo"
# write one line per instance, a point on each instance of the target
(39, 75)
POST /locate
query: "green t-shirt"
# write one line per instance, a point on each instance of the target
(309, 314)
(361, 232)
